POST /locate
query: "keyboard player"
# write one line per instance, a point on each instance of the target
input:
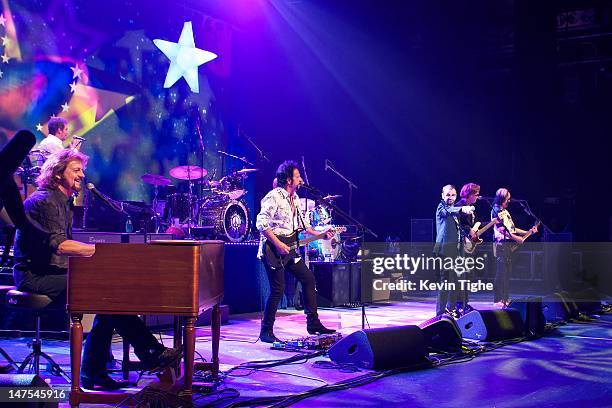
(42, 250)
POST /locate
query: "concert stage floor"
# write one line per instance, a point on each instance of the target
(570, 367)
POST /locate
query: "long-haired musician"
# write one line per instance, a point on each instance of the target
(505, 232)
(281, 216)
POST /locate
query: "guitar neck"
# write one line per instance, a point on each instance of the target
(485, 228)
(306, 241)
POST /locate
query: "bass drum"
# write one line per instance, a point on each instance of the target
(230, 219)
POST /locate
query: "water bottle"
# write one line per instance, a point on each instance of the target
(129, 227)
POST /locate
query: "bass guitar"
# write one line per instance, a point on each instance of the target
(469, 243)
(276, 260)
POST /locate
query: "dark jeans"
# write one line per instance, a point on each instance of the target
(54, 284)
(98, 343)
(503, 261)
(276, 277)
(447, 298)
(97, 346)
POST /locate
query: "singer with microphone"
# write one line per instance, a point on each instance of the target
(44, 243)
(506, 235)
(281, 217)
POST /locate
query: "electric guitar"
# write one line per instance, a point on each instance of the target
(469, 243)
(516, 245)
(277, 260)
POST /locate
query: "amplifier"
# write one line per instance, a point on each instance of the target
(90, 237)
(333, 283)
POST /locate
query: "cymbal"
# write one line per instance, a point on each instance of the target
(155, 179)
(188, 172)
(244, 171)
(332, 196)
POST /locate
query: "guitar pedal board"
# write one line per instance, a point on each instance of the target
(309, 343)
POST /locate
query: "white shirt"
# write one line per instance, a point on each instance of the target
(502, 230)
(50, 145)
(278, 215)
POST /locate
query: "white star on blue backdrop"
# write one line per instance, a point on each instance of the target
(184, 58)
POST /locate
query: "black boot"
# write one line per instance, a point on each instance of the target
(102, 382)
(266, 335)
(314, 326)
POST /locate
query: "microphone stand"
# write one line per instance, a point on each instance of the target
(525, 205)
(351, 185)
(262, 156)
(201, 189)
(363, 229)
(242, 159)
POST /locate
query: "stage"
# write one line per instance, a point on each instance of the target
(569, 366)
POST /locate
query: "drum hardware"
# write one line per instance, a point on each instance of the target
(332, 197)
(189, 173)
(156, 180)
(245, 171)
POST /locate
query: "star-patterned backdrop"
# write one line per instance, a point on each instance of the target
(103, 73)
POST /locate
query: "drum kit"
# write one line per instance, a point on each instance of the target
(320, 217)
(219, 209)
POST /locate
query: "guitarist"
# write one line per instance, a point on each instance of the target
(280, 216)
(505, 234)
(469, 195)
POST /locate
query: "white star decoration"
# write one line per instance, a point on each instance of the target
(184, 58)
(65, 107)
(39, 127)
(6, 41)
(2, 20)
(1, 73)
(76, 72)
(5, 58)
(73, 87)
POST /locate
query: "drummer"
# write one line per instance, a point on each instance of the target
(58, 133)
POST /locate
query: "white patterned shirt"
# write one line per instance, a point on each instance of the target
(51, 144)
(278, 215)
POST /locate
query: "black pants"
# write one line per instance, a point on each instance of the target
(98, 343)
(503, 261)
(276, 277)
(97, 346)
(53, 284)
(447, 298)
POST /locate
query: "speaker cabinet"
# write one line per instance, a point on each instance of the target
(441, 333)
(491, 325)
(333, 283)
(26, 381)
(382, 348)
(532, 315)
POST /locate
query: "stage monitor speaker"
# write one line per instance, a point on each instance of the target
(333, 283)
(382, 348)
(491, 325)
(26, 381)
(559, 307)
(532, 315)
(441, 333)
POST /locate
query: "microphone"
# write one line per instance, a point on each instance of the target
(307, 187)
(14, 152)
(102, 197)
(82, 139)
